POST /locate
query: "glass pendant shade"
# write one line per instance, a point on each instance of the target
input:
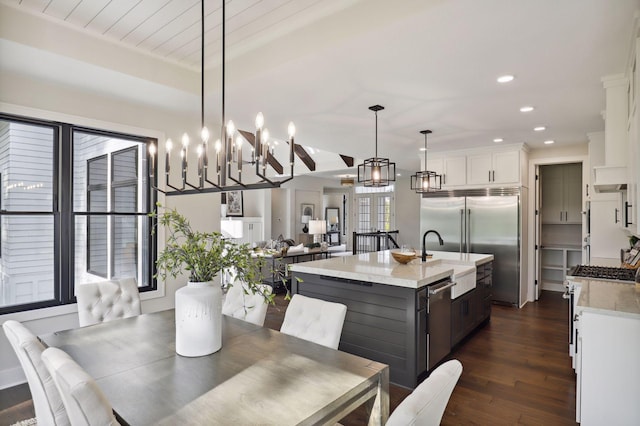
(376, 171)
(426, 180)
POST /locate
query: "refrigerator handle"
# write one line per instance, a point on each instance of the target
(468, 230)
(462, 230)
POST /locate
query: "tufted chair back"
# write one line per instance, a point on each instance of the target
(426, 404)
(107, 300)
(83, 399)
(46, 398)
(315, 320)
(247, 307)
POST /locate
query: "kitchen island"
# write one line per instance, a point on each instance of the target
(388, 315)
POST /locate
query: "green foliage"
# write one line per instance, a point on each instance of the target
(204, 254)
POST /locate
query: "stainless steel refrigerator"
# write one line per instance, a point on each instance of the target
(478, 222)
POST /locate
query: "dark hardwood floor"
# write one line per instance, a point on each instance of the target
(516, 371)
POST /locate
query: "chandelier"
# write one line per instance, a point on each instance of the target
(425, 181)
(376, 171)
(225, 172)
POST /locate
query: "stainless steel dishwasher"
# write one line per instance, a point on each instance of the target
(438, 321)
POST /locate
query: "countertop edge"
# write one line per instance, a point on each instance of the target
(378, 279)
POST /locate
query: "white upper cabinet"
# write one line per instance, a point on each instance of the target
(496, 167)
(479, 167)
(561, 194)
(453, 169)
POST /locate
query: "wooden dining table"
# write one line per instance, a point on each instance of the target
(259, 377)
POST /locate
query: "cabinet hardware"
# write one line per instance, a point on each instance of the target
(616, 215)
(626, 214)
(441, 289)
(493, 175)
(489, 175)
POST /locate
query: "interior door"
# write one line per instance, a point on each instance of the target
(536, 240)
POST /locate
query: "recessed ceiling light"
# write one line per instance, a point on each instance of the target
(398, 174)
(539, 129)
(549, 142)
(526, 109)
(423, 149)
(496, 140)
(505, 78)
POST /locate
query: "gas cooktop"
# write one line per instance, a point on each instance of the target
(603, 273)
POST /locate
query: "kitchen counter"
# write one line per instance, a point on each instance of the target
(609, 297)
(380, 267)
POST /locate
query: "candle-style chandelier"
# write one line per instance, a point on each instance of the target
(376, 171)
(229, 159)
(426, 180)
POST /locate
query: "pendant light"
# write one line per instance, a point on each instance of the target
(229, 159)
(426, 181)
(376, 171)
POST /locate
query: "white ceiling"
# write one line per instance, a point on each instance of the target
(321, 63)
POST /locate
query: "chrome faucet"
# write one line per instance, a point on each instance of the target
(424, 243)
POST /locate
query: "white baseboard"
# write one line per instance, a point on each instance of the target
(12, 377)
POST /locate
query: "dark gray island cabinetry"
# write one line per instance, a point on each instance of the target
(390, 317)
(384, 323)
(474, 307)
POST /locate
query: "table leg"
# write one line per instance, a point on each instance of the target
(378, 407)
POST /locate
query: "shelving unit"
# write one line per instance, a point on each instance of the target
(560, 223)
(557, 261)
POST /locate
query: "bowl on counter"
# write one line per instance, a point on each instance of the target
(404, 256)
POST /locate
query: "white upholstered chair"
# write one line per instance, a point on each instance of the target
(240, 303)
(46, 398)
(426, 404)
(107, 300)
(315, 320)
(85, 403)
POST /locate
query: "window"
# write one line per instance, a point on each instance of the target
(375, 208)
(74, 208)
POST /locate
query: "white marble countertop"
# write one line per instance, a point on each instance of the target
(380, 267)
(609, 298)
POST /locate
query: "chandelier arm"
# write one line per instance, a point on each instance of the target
(237, 181)
(185, 181)
(171, 186)
(152, 171)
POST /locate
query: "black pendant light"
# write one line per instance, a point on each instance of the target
(425, 180)
(376, 171)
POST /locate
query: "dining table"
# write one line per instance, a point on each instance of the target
(259, 377)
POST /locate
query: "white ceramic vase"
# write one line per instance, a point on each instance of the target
(198, 319)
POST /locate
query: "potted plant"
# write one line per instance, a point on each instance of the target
(203, 255)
